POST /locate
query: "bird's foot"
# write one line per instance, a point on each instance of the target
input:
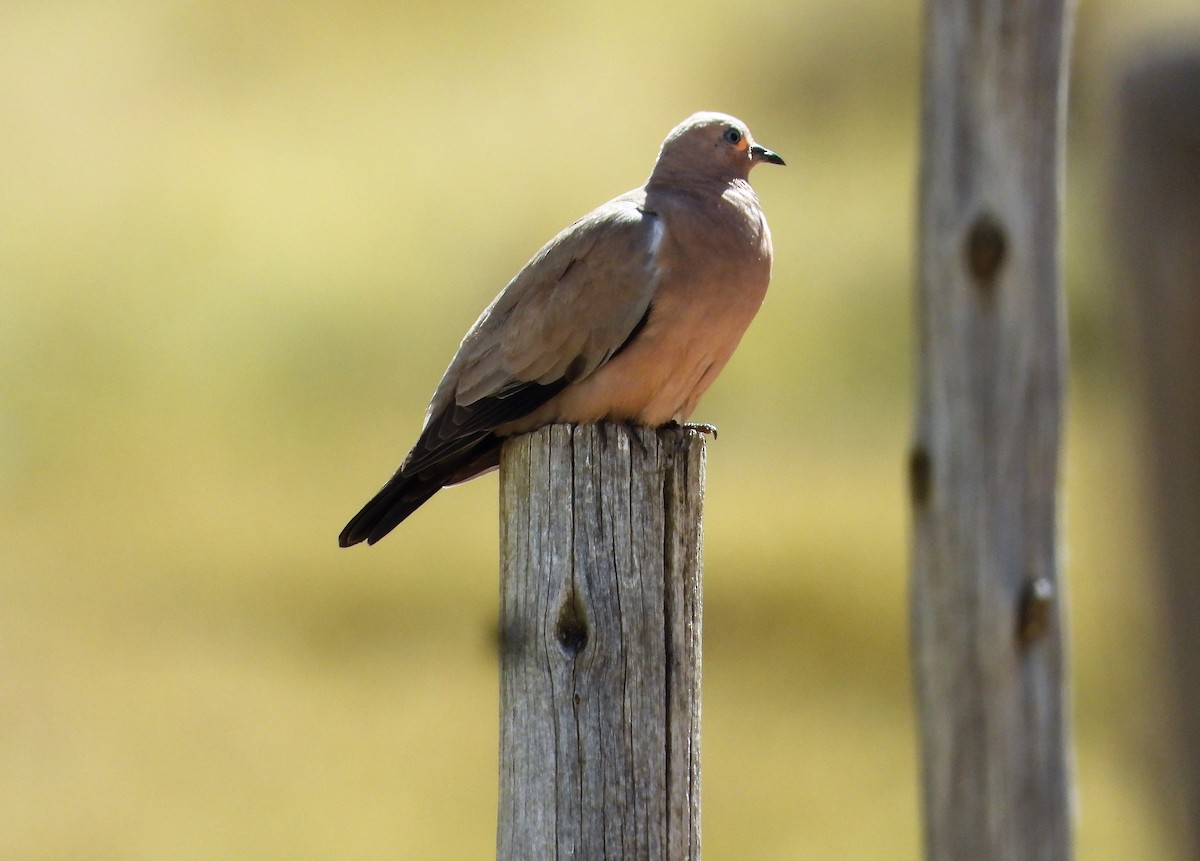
(702, 428)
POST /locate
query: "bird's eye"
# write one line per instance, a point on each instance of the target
(733, 135)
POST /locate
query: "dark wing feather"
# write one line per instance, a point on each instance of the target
(448, 432)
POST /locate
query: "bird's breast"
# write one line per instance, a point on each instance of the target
(711, 262)
(712, 274)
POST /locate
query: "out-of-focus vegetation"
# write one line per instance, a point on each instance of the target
(238, 243)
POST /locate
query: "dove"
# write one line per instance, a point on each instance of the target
(627, 315)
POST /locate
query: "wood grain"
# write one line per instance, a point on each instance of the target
(601, 620)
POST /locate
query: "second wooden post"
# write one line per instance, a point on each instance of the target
(988, 607)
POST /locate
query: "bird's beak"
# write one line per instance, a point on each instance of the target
(761, 153)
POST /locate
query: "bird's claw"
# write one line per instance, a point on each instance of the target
(699, 427)
(702, 428)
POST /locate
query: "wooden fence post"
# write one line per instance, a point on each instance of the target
(987, 601)
(1156, 228)
(600, 595)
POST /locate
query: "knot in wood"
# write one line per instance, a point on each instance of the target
(1036, 610)
(986, 250)
(571, 629)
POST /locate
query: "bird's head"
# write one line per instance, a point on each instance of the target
(710, 145)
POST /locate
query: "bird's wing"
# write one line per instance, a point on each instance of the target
(574, 305)
(582, 298)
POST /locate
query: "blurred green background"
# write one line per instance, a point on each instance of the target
(238, 244)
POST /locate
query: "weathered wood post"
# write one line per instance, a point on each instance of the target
(600, 603)
(987, 600)
(1156, 227)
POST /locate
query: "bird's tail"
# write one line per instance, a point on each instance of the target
(397, 499)
(407, 491)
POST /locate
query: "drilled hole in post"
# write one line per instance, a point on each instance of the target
(986, 250)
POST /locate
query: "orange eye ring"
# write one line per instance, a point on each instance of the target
(733, 135)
